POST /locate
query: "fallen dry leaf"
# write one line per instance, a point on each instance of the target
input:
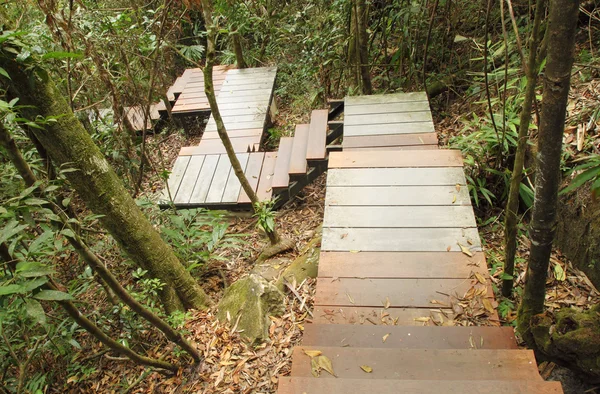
(465, 250)
(480, 278)
(387, 304)
(457, 187)
(312, 353)
(385, 337)
(366, 368)
(350, 298)
(454, 199)
(325, 363)
(488, 305)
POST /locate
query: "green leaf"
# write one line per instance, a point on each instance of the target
(62, 55)
(68, 233)
(40, 241)
(35, 201)
(581, 179)
(33, 269)
(52, 295)
(10, 289)
(33, 284)
(35, 311)
(4, 73)
(11, 229)
(505, 276)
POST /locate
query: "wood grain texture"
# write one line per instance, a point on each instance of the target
(176, 176)
(400, 293)
(298, 385)
(204, 179)
(393, 148)
(396, 177)
(213, 135)
(253, 170)
(233, 186)
(401, 265)
(317, 135)
(399, 217)
(386, 108)
(265, 189)
(385, 98)
(405, 337)
(281, 177)
(419, 364)
(365, 159)
(219, 181)
(397, 195)
(400, 239)
(298, 164)
(390, 140)
(188, 182)
(392, 128)
(387, 118)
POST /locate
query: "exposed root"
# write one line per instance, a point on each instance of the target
(283, 245)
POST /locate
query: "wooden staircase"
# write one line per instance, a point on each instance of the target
(401, 266)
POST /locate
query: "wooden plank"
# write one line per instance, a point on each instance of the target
(176, 176)
(390, 140)
(264, 190)
(400, 293)
(393, 128)
(378, 108)
(394, 148)
(400, 217)
(253, 169)
(419, 364)
(192, 106)
(380, 316)
(188, 182)
(226, 94)
(256, 116)
(317, 135)
(254, 133)
(403, 337)
(401, 265)
(254, 70)
(399, 239)
(395, 177)
(385, 98)
(233, 187)
(298, 162)
(397, 195)
(297, 385)
(281, 177)
(219, 181)
(253, 85)
(215, 146)
(204, 179)
(389, 118)
(211, 126)
(365, 159)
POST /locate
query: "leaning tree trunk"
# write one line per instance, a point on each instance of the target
(69, 144)
(512, 206)
(561, 46)
(238, 50)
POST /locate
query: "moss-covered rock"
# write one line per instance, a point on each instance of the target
(251, 300)
(571, 338)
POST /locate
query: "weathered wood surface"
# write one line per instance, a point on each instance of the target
(213, 135)
(397, 195)
(396, 177)
(205, 178)
(191, 84)
(385, 98)
(281, 177)
(215, 146)
(410, 159)
(188, 182)
(387, 118)
(381, 316)
(233, 187)
(219, 181)
(400, 239)
(317, 135)
(395, 148)
(403, 337)
(399, 216)
(252, 173)
(401, 265)
(409, 140)
(389, 128)
(264, 190)
(298, 164)
(386, 108)
(419, 364)
(175, 177)
(299, 385)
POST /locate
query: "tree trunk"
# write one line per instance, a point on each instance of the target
(214, 108)
(362, 45)
(512, 206)
(68, 143)
(561, 46)
(237, 49)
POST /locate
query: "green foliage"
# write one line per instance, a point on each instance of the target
(589, 171)
(265, 213)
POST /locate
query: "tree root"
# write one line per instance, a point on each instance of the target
(283, 245)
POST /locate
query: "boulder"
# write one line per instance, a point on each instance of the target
(251, 300)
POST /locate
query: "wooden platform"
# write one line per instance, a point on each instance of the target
(187, 93)
(400, 260)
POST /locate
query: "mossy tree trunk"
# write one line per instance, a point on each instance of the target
(561, 47)
(362, 45)
(512, 206)
(68, 144)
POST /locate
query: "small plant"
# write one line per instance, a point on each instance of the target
(588, 171)
(265, 213)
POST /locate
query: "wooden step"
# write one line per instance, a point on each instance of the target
(395, 292)
(317, 135)
(215, 146)
(421, 364)
(298, 164)
(382, 316)
(397, 196)
(399, 140)
(281, 177)
(410, 159)
(213, 135)
(289, 385)
(401, 265)
(252, 173)
(265, 189)
(406, 337)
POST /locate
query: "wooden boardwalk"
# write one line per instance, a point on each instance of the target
(403, 287)
(202, 175)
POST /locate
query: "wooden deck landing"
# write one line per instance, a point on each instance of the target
(402, 279)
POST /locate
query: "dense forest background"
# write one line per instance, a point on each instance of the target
(471, 59)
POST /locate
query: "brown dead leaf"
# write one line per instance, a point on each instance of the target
(449, 248)
(480, 278)
(385, 337)
(312, 353)
(325, 363)
(314, 368)
(465, 250)
(488, 305)
(387, 304)
(366, 368)
(422, 319)
(350, 299)
(457, 187)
